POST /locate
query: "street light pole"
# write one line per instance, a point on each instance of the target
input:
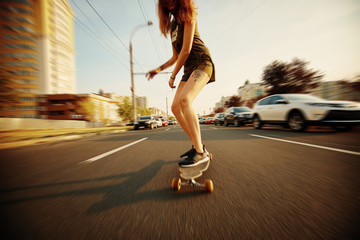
(149, 23)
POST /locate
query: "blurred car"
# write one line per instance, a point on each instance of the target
(219, 118)
(238, 116)
(164, 122)
(173, 122)
(130, 124)
(209, 120)
(158, 121)
(202, 120)
(298, 111)
(146, 122)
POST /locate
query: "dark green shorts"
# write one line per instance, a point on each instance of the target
(204, 64)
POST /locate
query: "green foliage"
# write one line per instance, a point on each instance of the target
(294, 77)
(126, 109)
(143, 111)
(87, 108)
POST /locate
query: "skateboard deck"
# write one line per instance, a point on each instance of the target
(193, 172)
(189, 174)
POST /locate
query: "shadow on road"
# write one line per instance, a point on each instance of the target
(126, 192)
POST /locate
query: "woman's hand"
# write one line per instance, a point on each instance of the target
(171, 82)
(151, 74)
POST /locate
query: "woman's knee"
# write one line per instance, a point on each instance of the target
(175, 108)
(184, 102)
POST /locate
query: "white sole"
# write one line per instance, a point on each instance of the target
(197, 163)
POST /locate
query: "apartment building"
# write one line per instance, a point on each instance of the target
(250, 91)
(37, 51)
(142, 102)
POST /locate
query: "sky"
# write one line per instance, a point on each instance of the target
(244, 36)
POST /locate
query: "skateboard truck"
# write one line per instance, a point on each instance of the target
(190, 174)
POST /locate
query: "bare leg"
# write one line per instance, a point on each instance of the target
(187, 95)
(177, 111)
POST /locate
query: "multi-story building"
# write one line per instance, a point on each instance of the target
(250, 91)
(158, 112)
(90, 107)
(37, 51)
(142, 102)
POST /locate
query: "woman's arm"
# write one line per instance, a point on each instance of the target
(166, 65)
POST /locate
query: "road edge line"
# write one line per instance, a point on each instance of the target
(309, 145)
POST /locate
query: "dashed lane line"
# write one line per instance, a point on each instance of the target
(309, 145)
(112, 151)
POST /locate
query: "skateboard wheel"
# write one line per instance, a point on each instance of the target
(209, 186)
(211, 157)
(176, 184)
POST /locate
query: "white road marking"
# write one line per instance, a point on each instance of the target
(309, 145)
(167, 129)
(112, 151)
(213, 127)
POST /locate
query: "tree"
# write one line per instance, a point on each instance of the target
(143, 111)
(219, 110)
(126, 109)
(250, 103)
(87, 109)
(352, 85)
(8, 95)
(234, 101)
(293, 77)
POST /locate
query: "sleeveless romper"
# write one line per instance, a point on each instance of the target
(199, 58)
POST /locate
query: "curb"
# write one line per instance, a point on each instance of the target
(12, 145)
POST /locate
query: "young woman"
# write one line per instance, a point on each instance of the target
(178, 17)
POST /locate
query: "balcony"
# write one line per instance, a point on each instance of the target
(62, 107)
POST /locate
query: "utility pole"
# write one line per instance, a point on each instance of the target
(149, 23)
(132, 83)
(167, 110)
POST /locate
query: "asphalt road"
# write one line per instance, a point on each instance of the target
(268, 184)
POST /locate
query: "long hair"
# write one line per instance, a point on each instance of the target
(183, 11)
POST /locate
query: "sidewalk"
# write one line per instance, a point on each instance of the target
(18, 138)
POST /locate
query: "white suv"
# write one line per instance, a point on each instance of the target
(298, 111)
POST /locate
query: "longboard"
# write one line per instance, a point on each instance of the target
(189, 175)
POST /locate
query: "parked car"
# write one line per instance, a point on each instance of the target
(164, 122)
(130, 124)
(145, 122)
(173, 122)
(298, 111)
(158, 121)
(238, 116)
(219, 118)
(209, 120)
(202, 120)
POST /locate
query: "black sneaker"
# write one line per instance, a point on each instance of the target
(192, 151)
(188, 153)
(194, 160)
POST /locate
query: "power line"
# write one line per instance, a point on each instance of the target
(97, 33)
(107, 25)
(152, 39)
(112, 31)
(93, 35)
